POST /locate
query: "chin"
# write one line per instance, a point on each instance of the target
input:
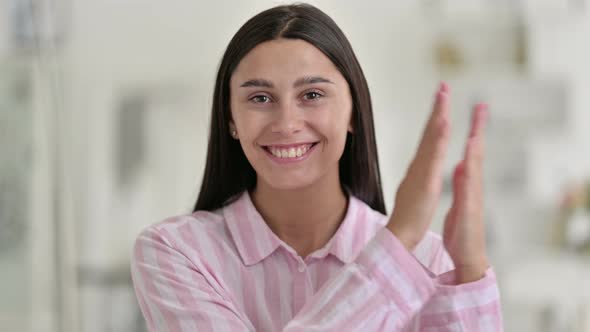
(285, 183)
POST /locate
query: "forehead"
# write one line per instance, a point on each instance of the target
(285, 59)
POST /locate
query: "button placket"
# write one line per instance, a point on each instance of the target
(299, 285)
(301, 266)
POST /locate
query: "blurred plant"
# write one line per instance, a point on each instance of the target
(574, 217)
(577, 196)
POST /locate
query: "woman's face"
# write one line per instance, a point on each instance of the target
(291, 109)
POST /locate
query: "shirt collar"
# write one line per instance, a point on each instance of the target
(353, 234)
(255, 240)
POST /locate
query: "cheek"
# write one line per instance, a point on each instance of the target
(248, 124)
(339, 125)
(334, 123)
(334, 130)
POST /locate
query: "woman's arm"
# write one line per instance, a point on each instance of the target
(387, 289)
(384, 289)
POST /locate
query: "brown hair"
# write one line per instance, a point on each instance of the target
(228, 172)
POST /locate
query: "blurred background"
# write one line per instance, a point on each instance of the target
(104, 111)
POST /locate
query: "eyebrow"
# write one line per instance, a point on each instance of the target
(260, 82)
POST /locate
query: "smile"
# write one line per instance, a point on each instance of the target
(287, 153)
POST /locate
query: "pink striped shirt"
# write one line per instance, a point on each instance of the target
(227, 271)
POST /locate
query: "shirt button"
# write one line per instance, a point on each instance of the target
(301, 267)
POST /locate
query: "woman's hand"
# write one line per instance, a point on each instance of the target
(418, 194)
(464, 232)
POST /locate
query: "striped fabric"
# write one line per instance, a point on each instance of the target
(227, 271)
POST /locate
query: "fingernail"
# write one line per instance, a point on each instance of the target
(444, 87)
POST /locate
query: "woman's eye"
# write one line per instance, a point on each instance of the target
(260, 99)
(312, 95)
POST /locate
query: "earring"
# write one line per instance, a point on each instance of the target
(234, 133)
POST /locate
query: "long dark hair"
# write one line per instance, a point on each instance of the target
(228, 172)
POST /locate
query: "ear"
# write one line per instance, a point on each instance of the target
(351, 121)
(233, 132)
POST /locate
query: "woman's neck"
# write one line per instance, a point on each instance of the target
(305, 218)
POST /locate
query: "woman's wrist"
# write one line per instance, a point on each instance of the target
(471, 273)
(406, 238)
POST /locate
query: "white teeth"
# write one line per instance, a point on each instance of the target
(275, 152)
(292, 152)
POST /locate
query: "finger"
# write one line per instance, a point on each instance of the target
(467, 183)
(458, 178)
(479, 117)
(432, 149)
(458, 191)
(451, 218)
(474, 154)
(474, 147)
(438, 115)
(438, 108)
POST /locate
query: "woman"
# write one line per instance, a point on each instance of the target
(289, 232)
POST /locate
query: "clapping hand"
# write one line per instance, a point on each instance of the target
(419, 192)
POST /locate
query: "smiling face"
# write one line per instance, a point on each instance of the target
(291, 109)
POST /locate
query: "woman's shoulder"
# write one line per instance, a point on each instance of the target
(195, 220)
(191, 234)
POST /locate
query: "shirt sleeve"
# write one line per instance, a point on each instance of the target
(387, 289)
(472, 306)
(384, 289)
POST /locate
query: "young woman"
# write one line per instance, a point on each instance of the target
(290, 232)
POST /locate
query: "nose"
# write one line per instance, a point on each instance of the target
(289, 119)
